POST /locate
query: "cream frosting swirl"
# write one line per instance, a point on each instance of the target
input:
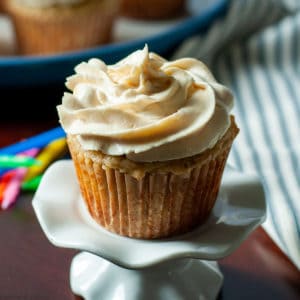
(146, 107)
(48, 3)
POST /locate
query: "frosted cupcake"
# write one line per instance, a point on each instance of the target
(2, 6)
(149, 139)
(55, 26)
(152, 9)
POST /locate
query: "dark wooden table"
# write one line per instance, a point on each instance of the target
(32, 268)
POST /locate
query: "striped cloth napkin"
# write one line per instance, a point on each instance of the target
(255, 50)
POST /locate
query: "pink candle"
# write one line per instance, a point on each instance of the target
(30, 152)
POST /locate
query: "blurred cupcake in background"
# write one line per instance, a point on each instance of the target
(2, 6)
(7, 34)
(54, 26)
(152, 9)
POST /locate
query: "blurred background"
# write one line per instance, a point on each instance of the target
(39, 44)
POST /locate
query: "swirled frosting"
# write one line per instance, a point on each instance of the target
(48, 3)
(146, 107)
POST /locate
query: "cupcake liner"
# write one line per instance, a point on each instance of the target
(159, 204)
(54, 30)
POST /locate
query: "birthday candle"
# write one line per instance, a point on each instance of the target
(4, 181)
(51, 152)
(8, 175)
(38, 141)
(14, 161)
(31, 184)
(30, 152)
(2, 189)
(3, 185)
(3, 171)
(10, 181)
(13, 188)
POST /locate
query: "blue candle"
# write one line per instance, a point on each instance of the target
(37, 141)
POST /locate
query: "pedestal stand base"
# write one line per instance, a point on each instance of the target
(95, 278)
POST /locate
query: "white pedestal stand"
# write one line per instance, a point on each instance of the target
(112, 267)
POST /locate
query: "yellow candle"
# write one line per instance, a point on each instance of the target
(51, 152)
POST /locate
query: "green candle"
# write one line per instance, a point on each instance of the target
(14, 161)
(32, 184)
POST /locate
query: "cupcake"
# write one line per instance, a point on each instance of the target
(149, 139)
(55, 26)
(2, 6)
(152, 9)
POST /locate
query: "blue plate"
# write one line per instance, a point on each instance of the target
(29, 71)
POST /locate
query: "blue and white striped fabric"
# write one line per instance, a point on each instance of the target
(254, 49)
